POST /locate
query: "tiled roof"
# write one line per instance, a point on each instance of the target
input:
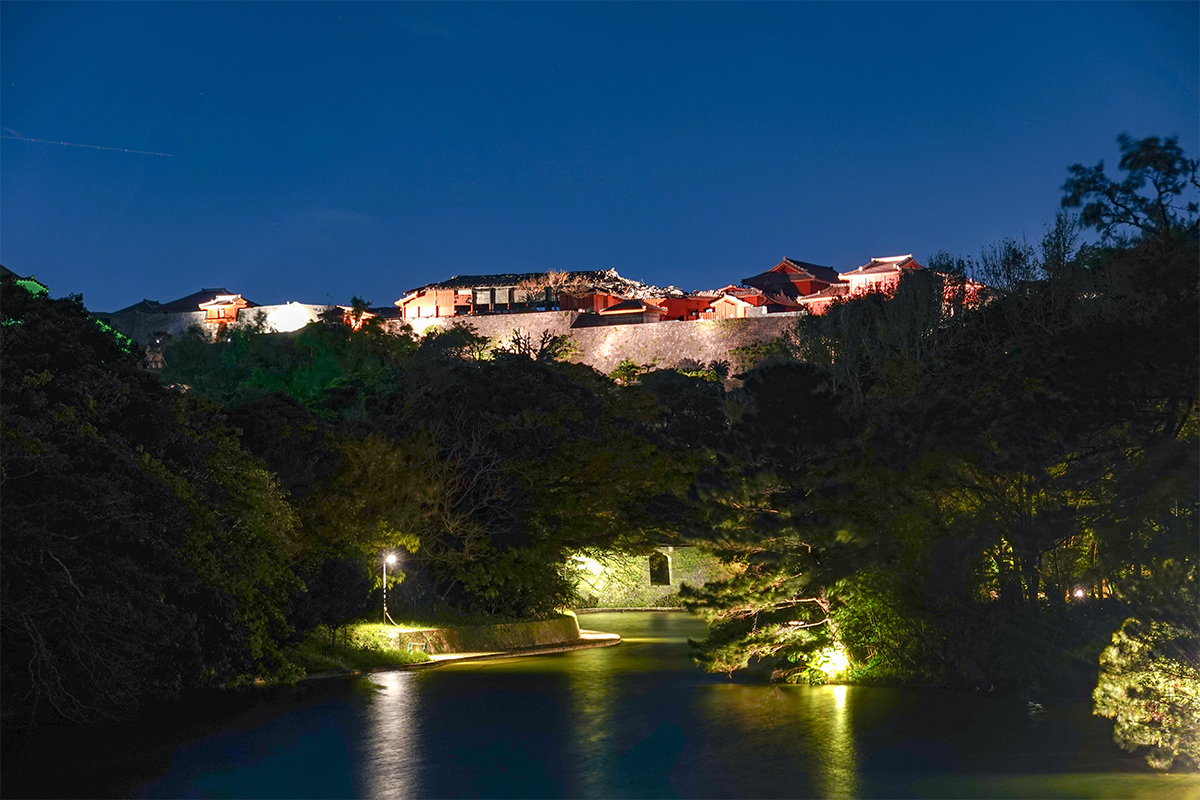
(30, 284)
(827, 274)
(733, 298)
(144, 306)
(830, 291)
(630, 307)
(747, 298)
(878, 266)
(788, 271)
(190, 303)
(225, 300)
(780, 299)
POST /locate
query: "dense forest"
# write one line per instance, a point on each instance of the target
(994, 493)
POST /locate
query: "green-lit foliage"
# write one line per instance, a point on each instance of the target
(965, 488)
(488, 472)
(143, 550)
(547, 459)
(358, 647)
(455, 342)
(123, 341)
(325, 366)
(889, 637)
(239, 544)
(748, 356)
(376, 499)
(1150, 687)
(627, 371)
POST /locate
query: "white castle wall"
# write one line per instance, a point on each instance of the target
(143, 328)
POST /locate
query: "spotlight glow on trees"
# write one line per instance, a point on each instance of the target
(832, 661)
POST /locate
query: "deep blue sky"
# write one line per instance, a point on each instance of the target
(328, 150)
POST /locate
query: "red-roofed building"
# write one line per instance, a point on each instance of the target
(687, 307)
(791, 279)
(434, 302)
(735, 306)
(220, 306)
(589, 300)
(223, 309)
(356, 319)
(882, 276)
(819, 302)
(509, 293)
(631, 312)
(879, 275)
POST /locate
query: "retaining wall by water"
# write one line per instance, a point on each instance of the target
(489, 638)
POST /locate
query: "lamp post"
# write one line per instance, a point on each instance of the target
(389, 559)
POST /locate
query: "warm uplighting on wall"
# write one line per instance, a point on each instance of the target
(291, 317)
(590, 564)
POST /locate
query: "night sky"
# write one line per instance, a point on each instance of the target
(323, 150)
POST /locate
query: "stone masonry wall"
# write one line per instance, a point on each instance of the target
(612, 580)
(663, 344)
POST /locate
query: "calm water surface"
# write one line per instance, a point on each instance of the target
(636, 720)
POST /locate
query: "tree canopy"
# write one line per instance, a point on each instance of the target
(144, 550)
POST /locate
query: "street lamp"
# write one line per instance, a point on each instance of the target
(389, 559)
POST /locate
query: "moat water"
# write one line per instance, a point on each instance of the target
(635, 720)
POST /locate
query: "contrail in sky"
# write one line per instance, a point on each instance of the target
(92, 146)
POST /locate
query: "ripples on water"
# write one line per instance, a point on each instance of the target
(636, 720)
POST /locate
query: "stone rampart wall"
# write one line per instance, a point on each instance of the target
(663, 344)
(613, 580)
(669, 344)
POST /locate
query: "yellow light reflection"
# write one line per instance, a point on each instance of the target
(392, 765)
(592, 687)
(839, 764)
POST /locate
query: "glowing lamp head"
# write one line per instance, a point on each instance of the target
(391, 558)
(1079, 593)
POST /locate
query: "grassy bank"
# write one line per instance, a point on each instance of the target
(359, 645)
(370, 645)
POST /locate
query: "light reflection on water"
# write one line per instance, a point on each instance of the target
(638, 720)
(391, 758)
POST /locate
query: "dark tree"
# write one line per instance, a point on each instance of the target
(143, 550)
(1151, 199)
